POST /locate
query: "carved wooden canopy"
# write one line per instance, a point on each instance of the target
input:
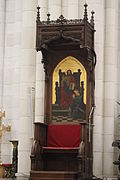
(63, 34)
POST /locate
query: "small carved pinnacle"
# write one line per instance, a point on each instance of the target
(38, 13)
(85, 12)
(92, 18)
(61, 20)
(48, 17)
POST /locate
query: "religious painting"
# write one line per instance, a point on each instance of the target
(69, 91)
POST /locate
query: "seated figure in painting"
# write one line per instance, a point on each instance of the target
(68, 84)
(69, 96)
(77, 106)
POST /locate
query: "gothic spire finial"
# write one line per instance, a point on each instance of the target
(38, 13)
(61, 20)
(48, 17)
(85, 12)
(92, 18)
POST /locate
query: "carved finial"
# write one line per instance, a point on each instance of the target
(61, 20)
(92, 18)
(38, 13)
(85, 12)
(48, 17)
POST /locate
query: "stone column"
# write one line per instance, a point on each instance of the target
(2, 50)
(12, 64)
(43, 9)
(110, 80)
(40, 86)
(2, 46)
(73, 9)
(118, 70)
(40, 75)
(98, 8)
(81, 8)
(27, 81)
(7, 29)
(65, 8)
(54, 8)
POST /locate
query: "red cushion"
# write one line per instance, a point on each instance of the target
(64, 135)
(6, 165)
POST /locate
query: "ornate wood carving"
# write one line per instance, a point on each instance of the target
(63, 34)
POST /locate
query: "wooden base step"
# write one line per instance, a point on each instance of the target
(52, 175)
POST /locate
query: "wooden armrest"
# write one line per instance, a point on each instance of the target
(41, 133)
(40, 124)
(83, 123)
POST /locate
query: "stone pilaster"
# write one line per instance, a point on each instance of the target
(65, 8)
(27, 82)
(40, 75)
(43, 9)
(54, 8)
(40, 86)
(8, 74)
(98, 8)
(110, 77)
(73, 9)
(2, 44)
(118, 71)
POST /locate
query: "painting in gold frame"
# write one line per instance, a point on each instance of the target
(69, 90)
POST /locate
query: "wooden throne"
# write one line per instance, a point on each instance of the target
(62, 147)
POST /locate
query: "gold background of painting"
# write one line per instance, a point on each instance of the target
(68, 63)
